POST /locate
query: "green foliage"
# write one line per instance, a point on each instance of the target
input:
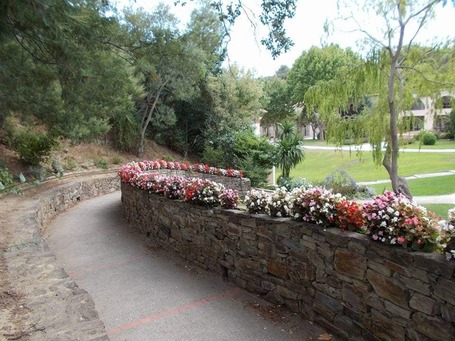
(290, 152)
(69, 163)
(452, 123)
(291, 183)
(118, 160)
(428, 139)
(33, 147)
(243, 150)
(342, 182)
(253, 170)
(101, 163)
(6, 178)
(213, 157)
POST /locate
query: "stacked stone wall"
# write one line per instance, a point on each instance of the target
(359, 289)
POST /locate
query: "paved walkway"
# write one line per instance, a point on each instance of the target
(143, 293)
(367, 147)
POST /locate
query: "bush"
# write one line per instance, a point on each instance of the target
(33, 147)
(69, 163)
(6, 178)
(341, 182)
(116, 160)
(100, 163)
(291, 183)
(428, 139)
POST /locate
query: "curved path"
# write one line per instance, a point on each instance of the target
(146, 293)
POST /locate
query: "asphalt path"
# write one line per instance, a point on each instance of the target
(146, 293)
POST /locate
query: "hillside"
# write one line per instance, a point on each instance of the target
(83, 157)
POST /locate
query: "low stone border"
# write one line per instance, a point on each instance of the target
(352, 286)
(55, 307)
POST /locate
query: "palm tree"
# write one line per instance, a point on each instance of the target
(290, 149)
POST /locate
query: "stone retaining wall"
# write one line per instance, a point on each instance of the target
(358, 289)
(57, 309)
(242, 185)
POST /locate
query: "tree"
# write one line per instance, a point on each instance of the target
(169, 64)
(315, 66)
(391, 75)
(273, 16)
(290, 149)
(278, 105)
(58, 69)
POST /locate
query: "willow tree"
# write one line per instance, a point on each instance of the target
(387, 81)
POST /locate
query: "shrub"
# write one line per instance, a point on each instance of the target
(116, 160)
(101, 163)
(291, 183)
(69, 163)
(33, 147)
(341, 182)
(6, 178)
(428, 139)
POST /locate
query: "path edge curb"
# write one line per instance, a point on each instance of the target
(58, 308)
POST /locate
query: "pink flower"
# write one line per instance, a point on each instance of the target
(401, 240)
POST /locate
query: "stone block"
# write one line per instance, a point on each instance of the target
(448, 312)
(277, 269)
(327, 306)
(350, 264)
(434, 263)
(415, 284)
(327, 289)
(354, 296)
(396, 267)
(424, 304)
(434, 328)
(396, 311)
(378, 267)
(287, 293)
(445, 290)
(388, 289)
(308, 242)
(325, 252)
(384, 328)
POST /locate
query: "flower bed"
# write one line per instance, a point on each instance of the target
(202, 192)
(388, 218)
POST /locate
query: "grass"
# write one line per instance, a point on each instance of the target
(440, 209)
(320, 163)
(427, 186)
(440, 144)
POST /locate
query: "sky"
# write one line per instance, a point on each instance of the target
(306, 29)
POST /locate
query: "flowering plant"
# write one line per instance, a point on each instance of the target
(171, 187)
(349, 216)
(256, 201)
(130, 171)
(394, 219)
(229, 198)
(279, 203)
(203, 192)
(446, 238)
(315, 205)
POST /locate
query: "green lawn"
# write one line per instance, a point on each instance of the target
(440, 209)
(426, 186)
(319, 163)
(440, 144)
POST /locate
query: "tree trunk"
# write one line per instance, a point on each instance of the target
(147, 117)
(390, 161)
